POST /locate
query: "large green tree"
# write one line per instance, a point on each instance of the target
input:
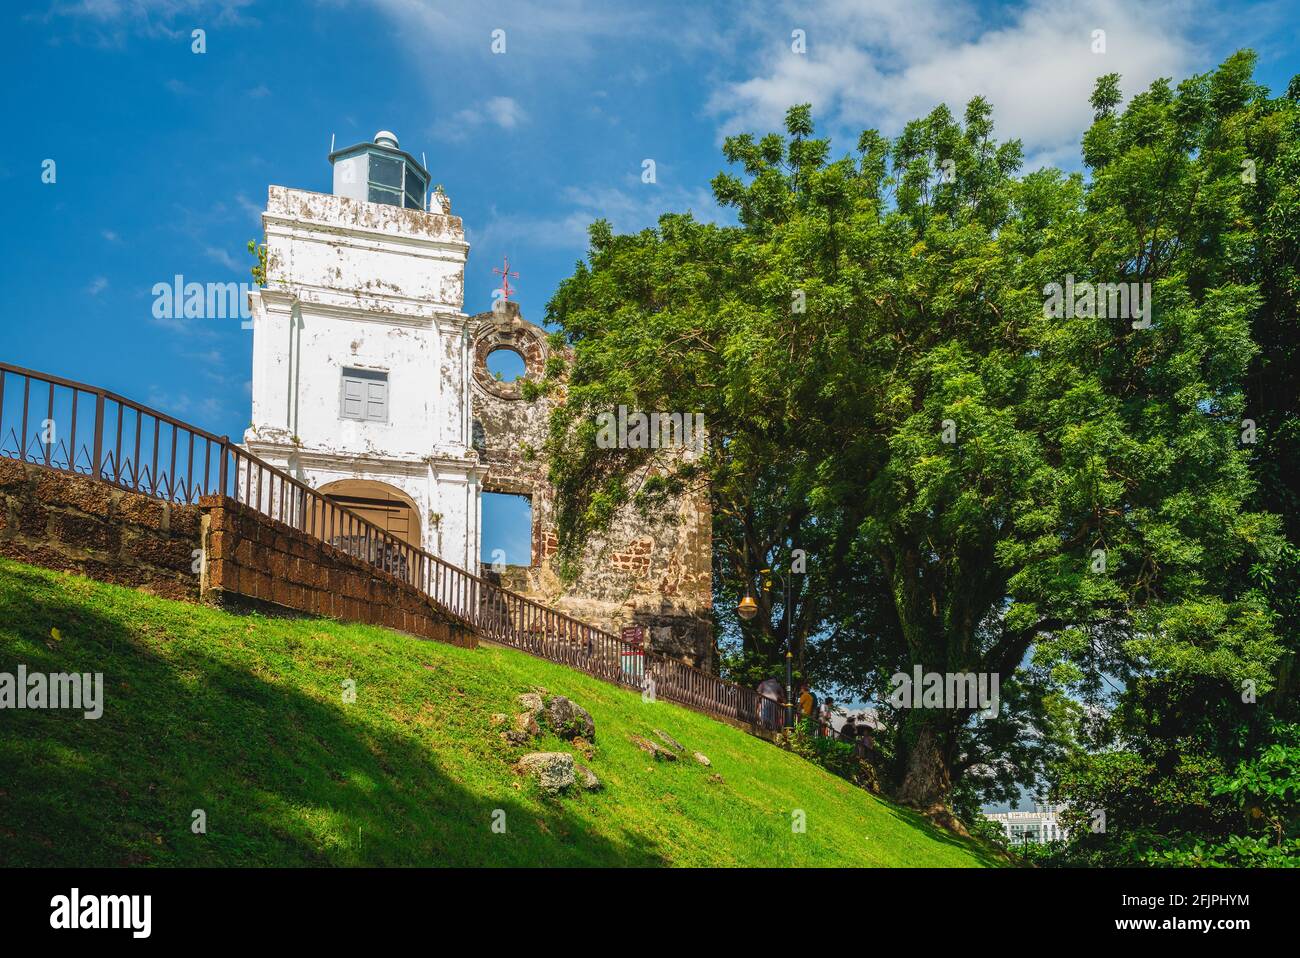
(1207, 176)
(973, 476)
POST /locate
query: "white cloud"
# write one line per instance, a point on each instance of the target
(628, 210)
(880, 64)
(108, 22)
(111, 24)
(502, 112)
(223, 257)
(535, 33)
(249, 207)
(97, 285)
(183, 405)
(208, 357)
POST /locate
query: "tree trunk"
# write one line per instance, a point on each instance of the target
(927, 778)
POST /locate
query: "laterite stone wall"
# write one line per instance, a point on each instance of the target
(653, 571)
(252, 556)
(78, 524)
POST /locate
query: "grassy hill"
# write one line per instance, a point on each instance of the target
(243, 717)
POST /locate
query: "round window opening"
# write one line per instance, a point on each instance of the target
(505, 365)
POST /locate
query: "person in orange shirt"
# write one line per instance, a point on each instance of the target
(807, 703)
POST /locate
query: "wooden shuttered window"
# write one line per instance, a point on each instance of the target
(364, 395)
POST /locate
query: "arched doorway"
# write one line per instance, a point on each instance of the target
(379, 503)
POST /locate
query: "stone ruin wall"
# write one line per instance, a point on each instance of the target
(654, 573)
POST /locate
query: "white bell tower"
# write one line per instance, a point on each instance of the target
(361, 359)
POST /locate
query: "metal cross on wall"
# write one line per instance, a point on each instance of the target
(505, 275)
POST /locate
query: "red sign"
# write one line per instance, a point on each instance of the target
(633, 635)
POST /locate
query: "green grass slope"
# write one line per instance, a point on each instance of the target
(243, 717)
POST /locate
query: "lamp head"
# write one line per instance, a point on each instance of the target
(747, 607)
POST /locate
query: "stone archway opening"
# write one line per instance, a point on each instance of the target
(379, 503)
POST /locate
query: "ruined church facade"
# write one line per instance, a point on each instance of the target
(370, 383)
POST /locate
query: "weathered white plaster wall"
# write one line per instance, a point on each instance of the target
(352, 284)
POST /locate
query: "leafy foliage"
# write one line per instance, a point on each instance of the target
(1206, 173)
(258, 269)
(979, 485)
(836, 756)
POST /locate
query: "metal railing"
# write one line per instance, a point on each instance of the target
(82, 429)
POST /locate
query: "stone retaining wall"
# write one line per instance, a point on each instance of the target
(249, 555)
(78, 524)
(214, 551)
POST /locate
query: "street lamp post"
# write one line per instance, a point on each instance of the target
(747, 608)
(789, 685)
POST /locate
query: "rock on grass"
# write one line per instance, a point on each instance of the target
(553, 771)
(568, 719)
(668, 740)
(587, 778)
(660, 753)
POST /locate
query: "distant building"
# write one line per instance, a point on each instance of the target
(1038, 826)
